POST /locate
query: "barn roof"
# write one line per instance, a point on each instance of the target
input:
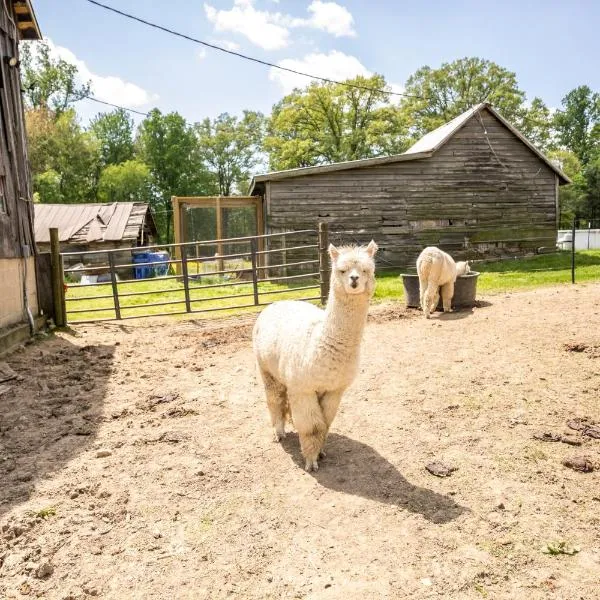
(26, 21)
(424, 148)
(86, 223)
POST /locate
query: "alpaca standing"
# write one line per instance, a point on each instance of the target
(307, 356)
(437, 270)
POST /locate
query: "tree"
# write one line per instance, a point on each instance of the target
(571, 198)
(436, 96)
(114, 132)
(129, 181)
(535, 123)
(167, 144)
(591, 174)
(230, 147)
(578, 124)
(49, 82)
(328, 122)
(64, 159)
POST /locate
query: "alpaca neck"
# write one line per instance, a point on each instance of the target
(345, 318)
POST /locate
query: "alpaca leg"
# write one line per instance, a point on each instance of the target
(431, 298)
(422, 290)
(330, 403)
(447, 294)
(276, 403)
(310, 424)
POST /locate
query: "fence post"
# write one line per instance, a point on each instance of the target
(324, 261)
(113, 280)
(186, 279)
(58, 291)
(573, 233)
(284, 270)
(254, 270)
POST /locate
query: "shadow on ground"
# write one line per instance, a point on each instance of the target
(355, 468)
(50, 413)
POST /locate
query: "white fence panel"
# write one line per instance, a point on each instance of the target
(585, 239)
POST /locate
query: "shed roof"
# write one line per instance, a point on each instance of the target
(26, 21)
(85, 223)
(424, 148)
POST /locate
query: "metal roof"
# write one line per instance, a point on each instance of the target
(85, 223)
(424, 148)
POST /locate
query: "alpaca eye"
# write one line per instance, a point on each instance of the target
(343, 271)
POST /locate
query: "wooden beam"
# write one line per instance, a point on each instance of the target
(177, 230)
(219, 231)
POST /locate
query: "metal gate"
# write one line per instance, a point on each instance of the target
(195, 277)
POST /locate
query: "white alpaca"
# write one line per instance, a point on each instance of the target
(438, 271)
(307, 356)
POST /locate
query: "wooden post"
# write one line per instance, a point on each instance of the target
(573, 233)
(176, 231)
(254, 270)
(260, 230)
(113, 280)
(58, 292)
(219, 233)
(186, 279)
(324, 261)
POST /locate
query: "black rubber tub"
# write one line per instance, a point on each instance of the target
(465, 290)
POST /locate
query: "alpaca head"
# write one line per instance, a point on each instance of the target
(353, 269)
(463, 267)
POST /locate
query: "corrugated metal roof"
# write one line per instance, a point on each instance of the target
(85, 222)
(422, 149)
(431, 141)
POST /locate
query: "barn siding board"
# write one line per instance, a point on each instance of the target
(501, 199)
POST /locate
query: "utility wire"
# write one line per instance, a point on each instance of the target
(250, 58)
(133, 110)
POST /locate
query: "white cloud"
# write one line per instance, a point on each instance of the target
(201, 54)
(227, 44)
(258, 26)
(332, 18)
(104, 87)
(335, 65)
(271, 30)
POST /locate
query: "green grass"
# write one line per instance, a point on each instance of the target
(158, 290)
(496, 277)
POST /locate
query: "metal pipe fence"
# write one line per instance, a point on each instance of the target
(118, 284)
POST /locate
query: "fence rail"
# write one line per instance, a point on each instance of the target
(119, 284)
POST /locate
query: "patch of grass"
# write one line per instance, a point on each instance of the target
(45, 513)
(556, 548)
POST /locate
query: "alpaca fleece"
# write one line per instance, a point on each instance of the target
(307, 356)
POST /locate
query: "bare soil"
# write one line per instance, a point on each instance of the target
(136, 462)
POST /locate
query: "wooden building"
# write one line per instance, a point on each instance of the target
(18, 301)
(475, 187)
(84, 227)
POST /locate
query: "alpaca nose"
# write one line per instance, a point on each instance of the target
(354, 280)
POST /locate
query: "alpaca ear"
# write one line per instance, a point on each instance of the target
(334, 253)
(372, 248)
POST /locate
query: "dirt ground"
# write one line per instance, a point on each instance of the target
(136, 462)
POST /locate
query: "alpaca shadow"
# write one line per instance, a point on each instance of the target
(355, 468)
(456, 315)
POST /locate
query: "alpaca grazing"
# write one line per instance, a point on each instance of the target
(307, 356)
(437, 272)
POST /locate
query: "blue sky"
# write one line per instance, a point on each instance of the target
(552, 46)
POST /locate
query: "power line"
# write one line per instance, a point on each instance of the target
(250, 58)
(133, 110)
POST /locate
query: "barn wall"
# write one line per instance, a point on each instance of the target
(470, 199)
(12, 273)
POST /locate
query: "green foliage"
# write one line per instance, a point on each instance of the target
(64, 159)
(129, 181)
(49, 82)
(327, 123)
(535, 123)
(439, 95)
(578, 123)
(114, 132)
(167, 144)
(229, 148)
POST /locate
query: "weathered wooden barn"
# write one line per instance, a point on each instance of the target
(476, 187)
(85, 227)
(18, 301)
